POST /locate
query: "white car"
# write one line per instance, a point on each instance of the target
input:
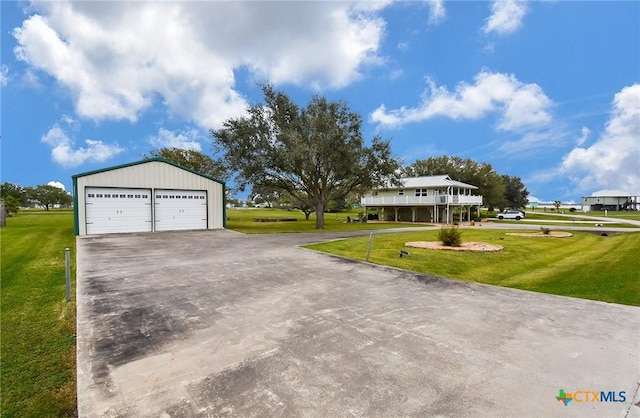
(511, 214)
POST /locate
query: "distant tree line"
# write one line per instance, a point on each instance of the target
(498, 190)
(44, 196)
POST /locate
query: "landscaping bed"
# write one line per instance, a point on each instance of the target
(551, 234)
(275, 220)
(479, 247)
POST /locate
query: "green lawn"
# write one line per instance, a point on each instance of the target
(551, 219)
(242, 220)
(627, 214)
(38, 363)
(551, 214)
(586, 265)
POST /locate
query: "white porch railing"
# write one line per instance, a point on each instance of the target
(420, 200)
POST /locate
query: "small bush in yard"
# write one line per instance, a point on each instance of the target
(545, 231)
(450, 236)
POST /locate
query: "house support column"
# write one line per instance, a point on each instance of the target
(413, 214)
(396, 214)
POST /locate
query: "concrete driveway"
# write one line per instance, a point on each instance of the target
(216, 323)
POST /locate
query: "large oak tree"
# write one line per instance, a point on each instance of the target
(48, 196)
(313, 153)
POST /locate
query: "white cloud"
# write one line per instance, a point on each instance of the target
(57, 184)
(4, 75)
(64, 153)
(612, 161)
(116, 59)
(534, 142)
(396, 74)
(189, 139)
(506, 16)
(584, 135)
(521, 105)
(437, 12)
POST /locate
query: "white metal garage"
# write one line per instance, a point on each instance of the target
(146, 196)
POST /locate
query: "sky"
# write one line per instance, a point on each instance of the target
(548, 91)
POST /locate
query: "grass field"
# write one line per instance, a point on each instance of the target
(242, 220)
(38, 341)
(586, 265)
(627, 214)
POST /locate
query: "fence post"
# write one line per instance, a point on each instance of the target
(67, 263)
(369, 247)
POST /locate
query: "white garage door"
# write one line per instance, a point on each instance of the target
(180, 209)
(111, 210)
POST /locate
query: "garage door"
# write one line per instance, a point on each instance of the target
(111, 210)
(180, 209)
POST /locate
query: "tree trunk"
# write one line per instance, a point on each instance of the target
(306, 215)
(320, 214)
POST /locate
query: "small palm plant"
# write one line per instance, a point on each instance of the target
(557, 204)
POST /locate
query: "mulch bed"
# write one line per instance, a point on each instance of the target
(275, 220)
(552, 234)
(479, 247)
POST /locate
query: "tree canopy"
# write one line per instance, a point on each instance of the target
(516, 195)
(497, 190)
(313, 153)
(48, 196)
(14, 193)
(195, 160)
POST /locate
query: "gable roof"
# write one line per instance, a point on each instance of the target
(432, 182)
(160, 160)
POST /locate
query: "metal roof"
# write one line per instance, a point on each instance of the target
(432, 182)
(161, 160)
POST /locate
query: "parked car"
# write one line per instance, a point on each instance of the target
(511, 214)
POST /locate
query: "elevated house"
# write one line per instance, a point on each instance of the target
(613, 200)
(425, 199)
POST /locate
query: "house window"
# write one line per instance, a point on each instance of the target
(421, 192)
(400, 192)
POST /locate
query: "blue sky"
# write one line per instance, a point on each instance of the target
(545, 90)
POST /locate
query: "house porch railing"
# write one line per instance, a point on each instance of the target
(421, 200)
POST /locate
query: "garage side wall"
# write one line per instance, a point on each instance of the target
(153, 175)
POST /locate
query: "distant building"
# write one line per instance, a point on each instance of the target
(544, 206)
(610, 200)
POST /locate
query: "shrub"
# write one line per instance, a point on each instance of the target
(545, 231)
(450, 236)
